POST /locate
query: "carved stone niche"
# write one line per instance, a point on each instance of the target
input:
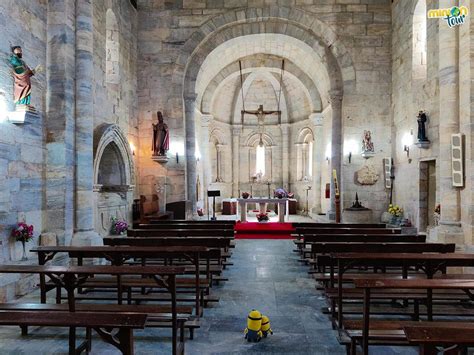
(114, 179)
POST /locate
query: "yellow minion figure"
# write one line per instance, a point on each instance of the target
(266, 326)
(253, 331)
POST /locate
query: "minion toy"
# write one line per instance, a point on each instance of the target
(253, 331)
(266, 326)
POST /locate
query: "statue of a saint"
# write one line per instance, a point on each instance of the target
(161, 137)
(421, 127)
(367, 144)
(22, 74)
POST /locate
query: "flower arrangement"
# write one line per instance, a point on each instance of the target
(395, 210)
(245, 195)
(437, 209)
(200, 212)
(23, 232)
(291, 195)
(262, 217)
(118, 227)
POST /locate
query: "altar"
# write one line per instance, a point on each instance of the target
(282, 202)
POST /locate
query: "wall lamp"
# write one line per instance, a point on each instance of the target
(350, 146)
(407, 140)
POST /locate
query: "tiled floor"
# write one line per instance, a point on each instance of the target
(265, 276)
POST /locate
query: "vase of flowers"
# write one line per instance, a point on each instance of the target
(23, 233)
(262, 217)
(245, 195)
(397, 214)
(119, 227)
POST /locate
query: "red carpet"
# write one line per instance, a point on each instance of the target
(269, 230)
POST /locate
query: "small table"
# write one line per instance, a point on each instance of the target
(229, 206)
(282, 202)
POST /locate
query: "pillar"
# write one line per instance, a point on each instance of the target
(285, 154)
(219, 163)
(84, 233)
(449, 229)
(206, 157)
(59, 120)
(190, 147)
(335, 97)
(236, 133)
(317, 121)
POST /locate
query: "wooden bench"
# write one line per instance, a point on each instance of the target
(103, 323)
(368, 285)
(202, 232)
(337, 225)
(193, 226)
(72, 277)
(429, 336)
(120, 254)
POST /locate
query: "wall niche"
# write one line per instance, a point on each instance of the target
(113, 177)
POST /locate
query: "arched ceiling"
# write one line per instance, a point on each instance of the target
(305, 84)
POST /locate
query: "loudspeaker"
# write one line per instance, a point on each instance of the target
(387, 171)
(457, 160)
(213, 193)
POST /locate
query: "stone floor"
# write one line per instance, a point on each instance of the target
(265, 276)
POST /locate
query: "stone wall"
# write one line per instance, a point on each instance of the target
(46, 165)
(357, 33)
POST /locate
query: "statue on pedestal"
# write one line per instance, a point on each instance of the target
(367, 144)
(421, 119)
(161, 137)
(22, 74)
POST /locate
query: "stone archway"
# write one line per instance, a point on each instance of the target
(335, 64)
(114, 178)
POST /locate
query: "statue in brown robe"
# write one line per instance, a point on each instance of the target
(161, 137)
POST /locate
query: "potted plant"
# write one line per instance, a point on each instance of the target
(119, 227)
(397, 214)
(23, 233)
(262, 217)
(245, 195)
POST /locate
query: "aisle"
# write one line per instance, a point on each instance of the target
(266, 276)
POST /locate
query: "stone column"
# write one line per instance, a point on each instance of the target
(336, 145)
(285, 154)
(318, 153)
(189, 114)
(206, 157)
(219, 164)
(84, 233)
(236, 132)
(449, 229)
(59, 120)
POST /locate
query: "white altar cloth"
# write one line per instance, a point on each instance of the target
(263, 206)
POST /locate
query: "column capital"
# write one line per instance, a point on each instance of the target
(206, 119)
(316, 118)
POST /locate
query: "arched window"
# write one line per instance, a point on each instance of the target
(419, 41)
(304, 155)
(260, 160)
(112, 48)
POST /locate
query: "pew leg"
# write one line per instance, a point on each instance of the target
(89, 340)
(58, 295)
(416, 310)
(72, 340)
(24, 330)
(126, 341)
(427, 349)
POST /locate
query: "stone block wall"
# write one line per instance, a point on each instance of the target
(363, 27)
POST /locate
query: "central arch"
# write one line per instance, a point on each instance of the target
(332, 55)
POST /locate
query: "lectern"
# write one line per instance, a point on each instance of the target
(213, 194)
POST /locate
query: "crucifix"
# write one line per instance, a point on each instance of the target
(260, 113)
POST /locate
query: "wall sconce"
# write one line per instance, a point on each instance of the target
(177, 158)
(132, 148)
(350, 146)
(327, 159)
(407, 140)
(177, 148)
(350, 157)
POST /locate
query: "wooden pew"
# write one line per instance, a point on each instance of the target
(228, 233)
(338, 225)
(354, 238)
(307, 230)
(430, 336)
(208, 226)
(124, 323)
(428, 285)
(188, 222)
(120, 254)
(70, 278)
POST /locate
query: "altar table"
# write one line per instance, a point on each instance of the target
(263, 206)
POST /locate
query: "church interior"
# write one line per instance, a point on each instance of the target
(233, 176)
